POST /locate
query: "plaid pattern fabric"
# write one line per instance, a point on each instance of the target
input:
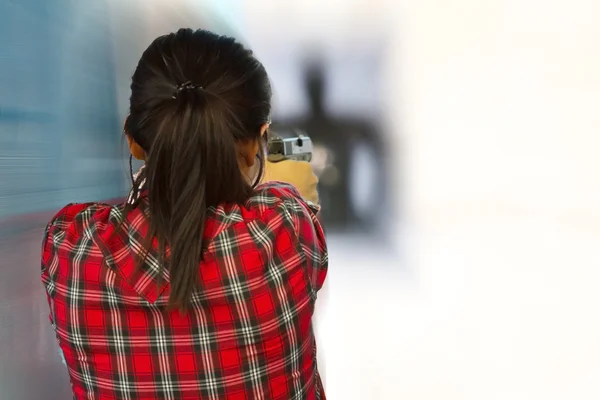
(248, 334)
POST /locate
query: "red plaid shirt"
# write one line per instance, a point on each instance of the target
(248, 334)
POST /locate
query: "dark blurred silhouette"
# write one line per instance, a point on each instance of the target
(339, 137)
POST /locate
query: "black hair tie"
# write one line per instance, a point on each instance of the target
(185, 87)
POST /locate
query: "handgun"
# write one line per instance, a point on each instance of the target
(289, 144)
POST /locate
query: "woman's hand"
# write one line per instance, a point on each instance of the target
(297, 173)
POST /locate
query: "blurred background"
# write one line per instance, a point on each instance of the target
(456, 145)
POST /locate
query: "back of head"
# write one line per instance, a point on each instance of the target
(195, 98)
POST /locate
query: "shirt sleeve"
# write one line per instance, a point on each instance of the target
(308, 229)
(54, 235)
(312, 237)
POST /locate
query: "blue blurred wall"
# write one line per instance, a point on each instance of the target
(60, 131)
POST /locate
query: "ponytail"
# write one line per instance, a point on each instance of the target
(192, 165)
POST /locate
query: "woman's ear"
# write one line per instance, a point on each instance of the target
(263, 129)
(136, 150)
(247, 150)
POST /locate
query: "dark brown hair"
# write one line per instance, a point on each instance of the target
(194, 95)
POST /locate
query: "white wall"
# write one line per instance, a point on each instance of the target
(503, 94)
(499, 120)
